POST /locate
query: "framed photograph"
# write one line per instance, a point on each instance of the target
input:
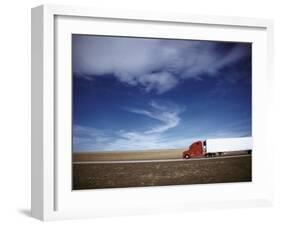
(136, 112)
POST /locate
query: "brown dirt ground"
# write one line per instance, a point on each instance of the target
(139, 174)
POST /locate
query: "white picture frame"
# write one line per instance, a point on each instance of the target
(52, 197)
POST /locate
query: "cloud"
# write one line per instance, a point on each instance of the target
(154, 64)
(166, 117)
(161, 82)
(87, 137)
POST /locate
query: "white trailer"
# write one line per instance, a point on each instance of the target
(224, 146)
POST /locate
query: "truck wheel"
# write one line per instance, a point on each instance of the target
(187, 156)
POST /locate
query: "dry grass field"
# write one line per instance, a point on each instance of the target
(104, 172)
(129, 155)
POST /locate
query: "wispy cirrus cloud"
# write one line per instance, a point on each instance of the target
(87, 138)
(166, 117)
(154, 64)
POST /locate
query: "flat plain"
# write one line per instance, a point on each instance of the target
(156, 168)
(129, 155)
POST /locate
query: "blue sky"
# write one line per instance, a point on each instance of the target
(140, 93)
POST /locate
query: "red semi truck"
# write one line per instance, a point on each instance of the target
(218, 147)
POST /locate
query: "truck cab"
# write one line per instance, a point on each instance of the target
(196, 149)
